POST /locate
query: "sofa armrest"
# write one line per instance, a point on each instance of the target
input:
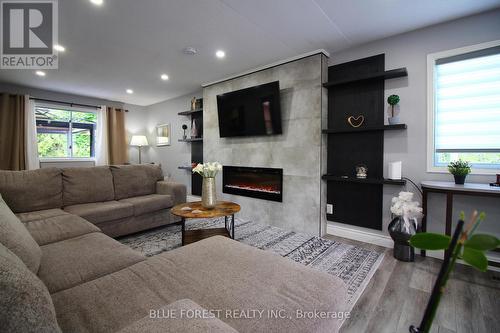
(179, 317)
(176, 190)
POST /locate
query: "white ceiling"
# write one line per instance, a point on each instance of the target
(129, 43)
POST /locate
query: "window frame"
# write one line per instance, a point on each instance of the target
(93, 136)
(431, 103)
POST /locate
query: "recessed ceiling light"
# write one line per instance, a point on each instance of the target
(129, 91)
(164, 77)
(59, 48)
(40, 73)
(190, 50)
(220, 54)
(97, 2)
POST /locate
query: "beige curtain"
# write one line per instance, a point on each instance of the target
(12, 132)
(117, 140)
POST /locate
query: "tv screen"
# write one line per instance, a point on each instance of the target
(250, 112)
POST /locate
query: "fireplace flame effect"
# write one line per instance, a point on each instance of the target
(256, 188)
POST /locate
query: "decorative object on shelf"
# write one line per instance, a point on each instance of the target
(163, 135)
(356, 121)
(459, 169)
(466, 245)
(199, 104)
(184, 128)
(404, 225)
(361, 171)
(194, 128)
(208, 171)
(394, 172)
(393, 100)
(139, 141)
(193, 103)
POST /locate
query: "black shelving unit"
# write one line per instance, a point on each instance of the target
(191, 140)
(385, 181)
(357, 88)
(196, 148)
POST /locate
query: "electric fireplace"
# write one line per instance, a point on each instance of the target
(261, 183)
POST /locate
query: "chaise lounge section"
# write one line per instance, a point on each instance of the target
(59, 272)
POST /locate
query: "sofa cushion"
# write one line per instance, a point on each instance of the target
(181, 321)
(102, 211)
(135, 180)
(27, 191)
(40, 214)
(58, 228)
(15, 236)
(77, 260)
(216, 273)
(25, 304)
(149, 203)
(83, 185)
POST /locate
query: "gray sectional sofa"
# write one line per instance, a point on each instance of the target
(60, 272)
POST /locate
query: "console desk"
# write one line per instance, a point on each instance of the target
(450, 189)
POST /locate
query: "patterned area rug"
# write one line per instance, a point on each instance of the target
(353, 264)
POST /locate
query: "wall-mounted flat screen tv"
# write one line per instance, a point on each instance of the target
(252, 111)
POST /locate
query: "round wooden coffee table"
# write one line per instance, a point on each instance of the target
(223, 208)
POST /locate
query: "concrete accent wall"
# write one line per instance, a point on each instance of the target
(297, 150)
(410, 50)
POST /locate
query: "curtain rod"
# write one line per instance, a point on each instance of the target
(67, 103)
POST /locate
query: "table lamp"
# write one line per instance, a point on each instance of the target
(139, 141)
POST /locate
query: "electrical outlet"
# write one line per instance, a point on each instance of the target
(329, 208)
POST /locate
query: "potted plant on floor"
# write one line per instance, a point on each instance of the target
(466, 245)
(459, 169)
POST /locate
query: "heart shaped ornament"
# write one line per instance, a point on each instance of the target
(356, 121)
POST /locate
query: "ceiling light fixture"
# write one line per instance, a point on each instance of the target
(220, 54)
(164, 77)
(129, 91)
(40, 73)
(59, 48)
(189, 50)
(97, 2)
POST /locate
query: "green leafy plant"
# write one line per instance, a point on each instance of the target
(470, 248)
(393, 100)
(459, 168)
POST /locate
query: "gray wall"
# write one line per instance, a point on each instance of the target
(297, 150)
(178, 153)
(410, 50)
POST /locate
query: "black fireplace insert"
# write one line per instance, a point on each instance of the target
(260, 183)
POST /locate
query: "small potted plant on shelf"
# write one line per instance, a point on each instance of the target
(459, 169)
(393, 100)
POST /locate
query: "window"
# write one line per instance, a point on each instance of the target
(464, 108)
(65, 133)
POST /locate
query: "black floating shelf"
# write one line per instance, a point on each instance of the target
(189, 112)
(366, 129)
(390, 74)
(191, 140)
(190, 168)
(364, 181)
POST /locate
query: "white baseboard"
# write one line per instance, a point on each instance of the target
(359, 235)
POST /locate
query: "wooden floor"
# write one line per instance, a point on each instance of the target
(397, 295)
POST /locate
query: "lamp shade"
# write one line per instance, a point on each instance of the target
(139, 140)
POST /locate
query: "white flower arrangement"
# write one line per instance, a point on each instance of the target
(403, 205)
(208, 170)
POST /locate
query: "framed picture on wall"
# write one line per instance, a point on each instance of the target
(163, 135)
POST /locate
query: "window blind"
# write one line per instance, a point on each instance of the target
(467, 102)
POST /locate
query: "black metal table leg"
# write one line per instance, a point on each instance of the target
(232, 226)
(225, 223)
(183, 224)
